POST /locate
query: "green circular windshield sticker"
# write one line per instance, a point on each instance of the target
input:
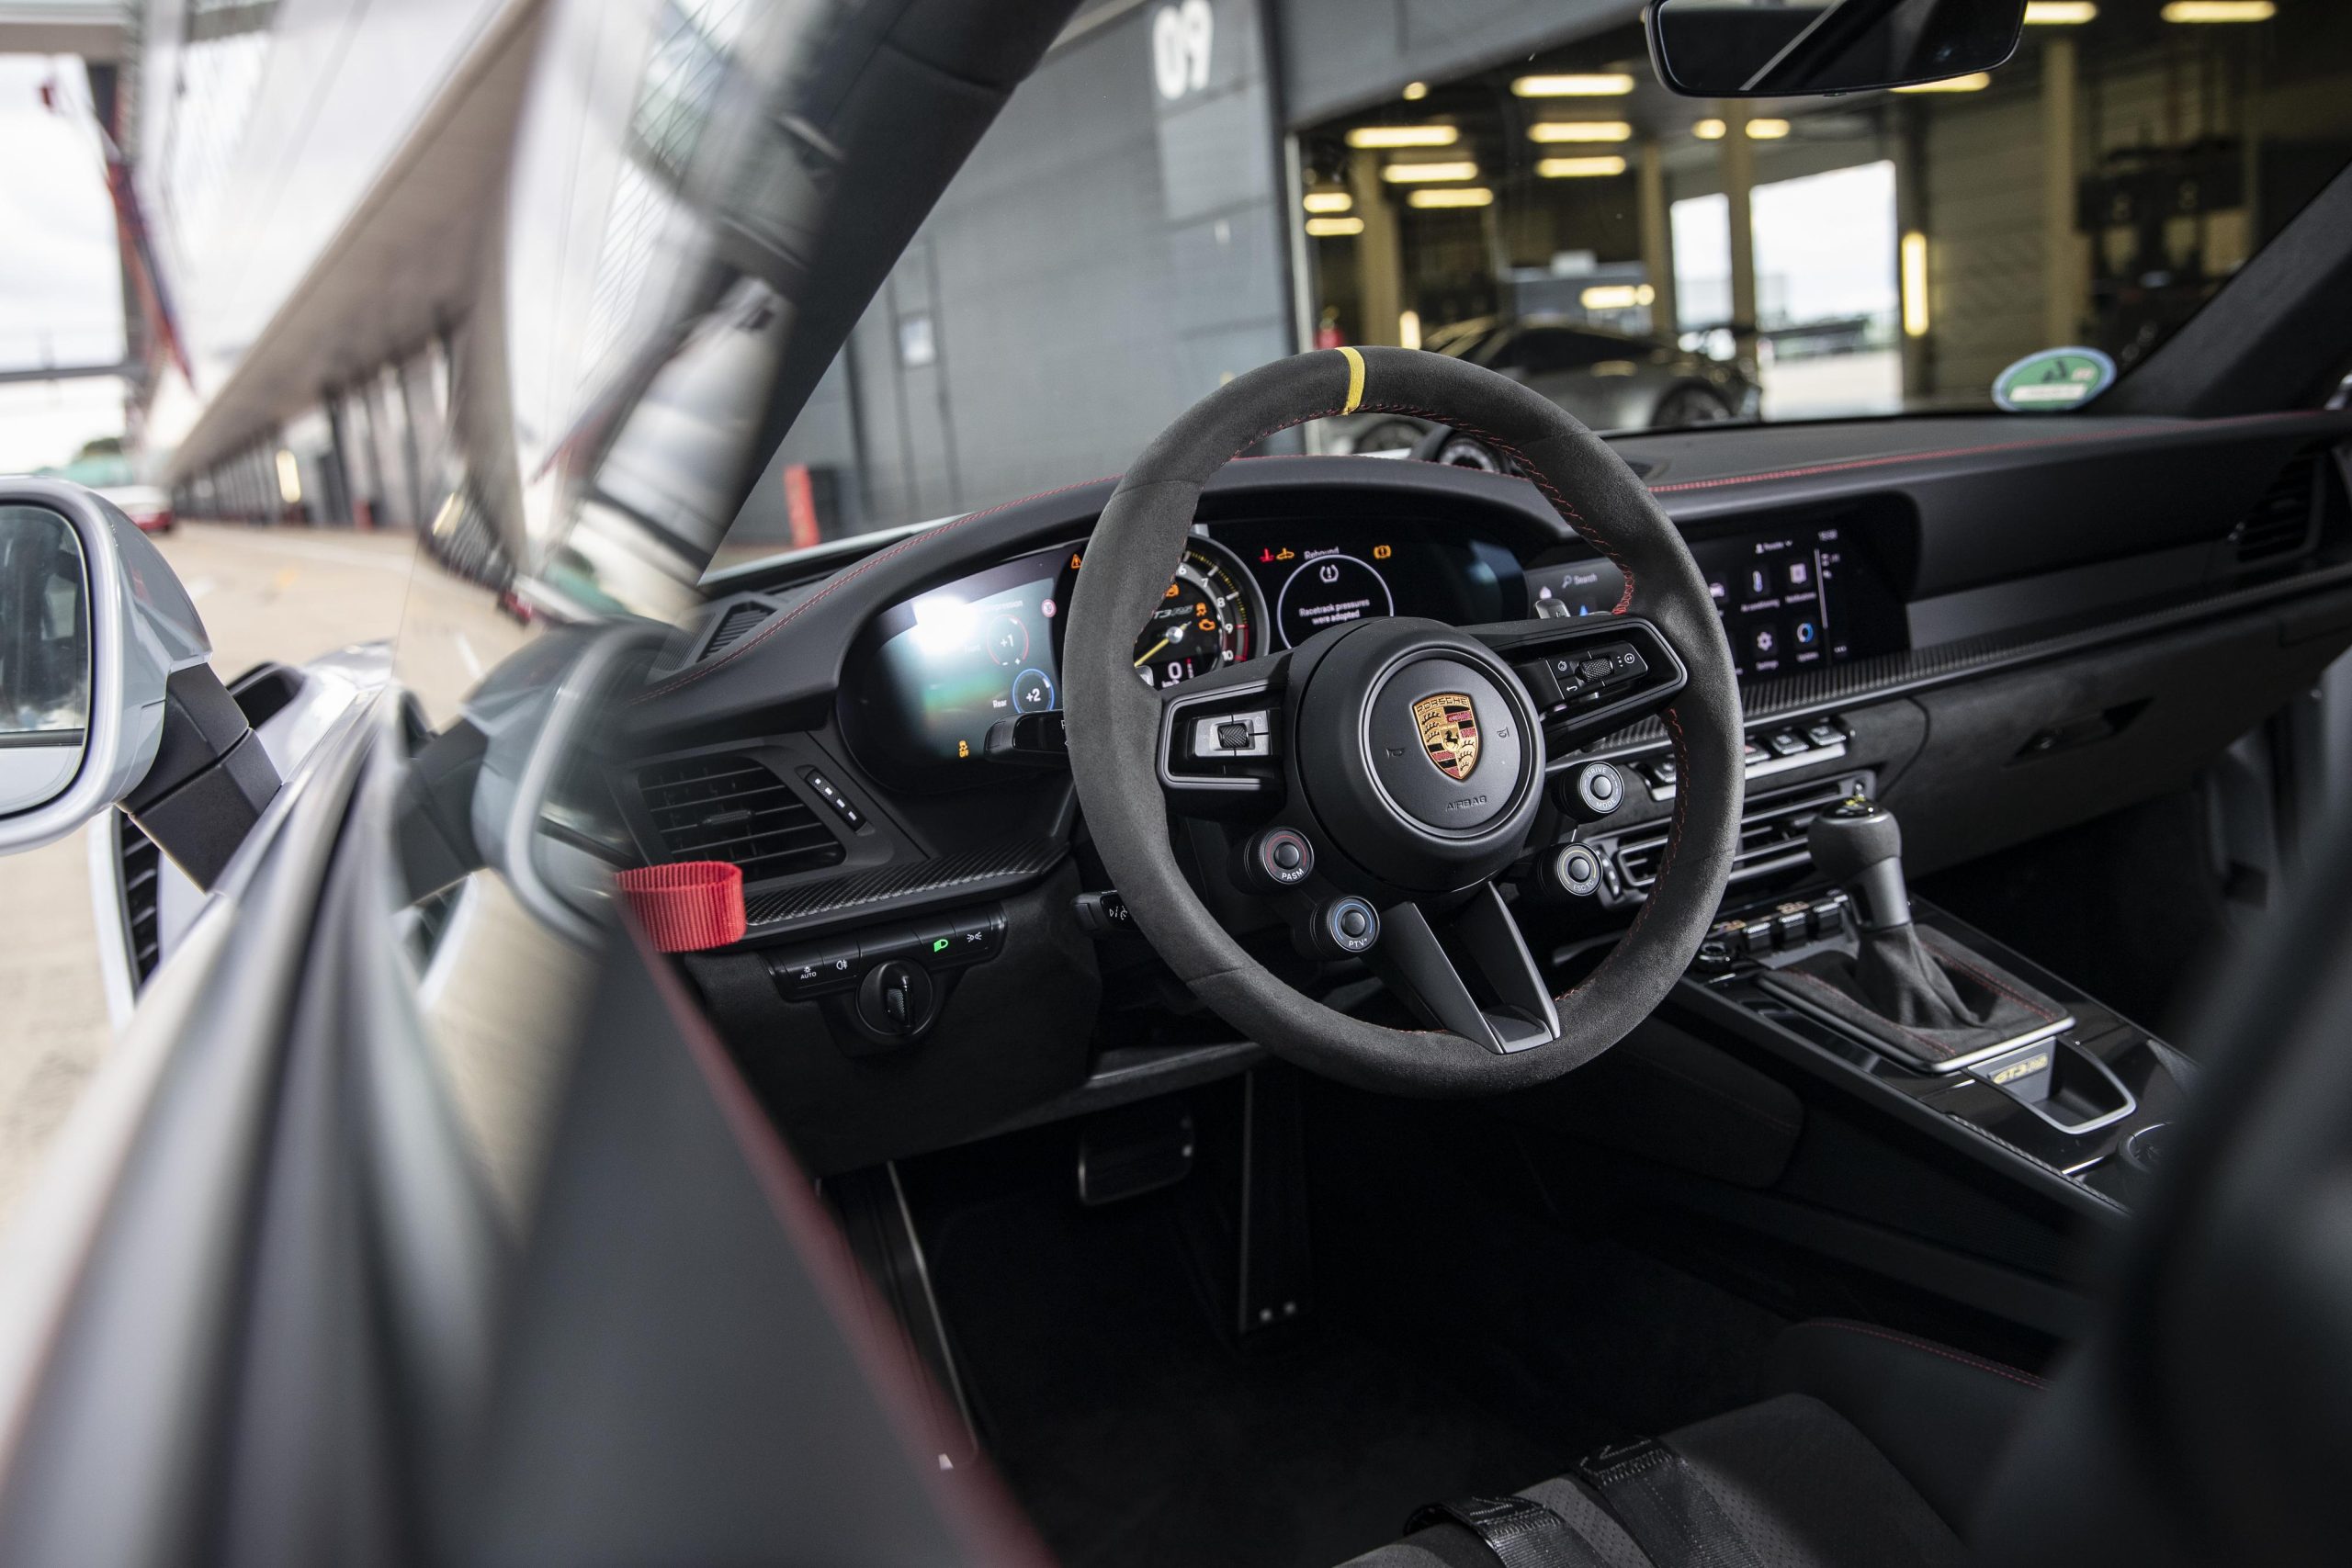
(2053, 381)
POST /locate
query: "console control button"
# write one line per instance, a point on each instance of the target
(1786, 743)
(833, 797)
(1343, 928)
(1591, 793)
(1825, 732)
(1576, 871)
(1664, 773)
(977, 937)
(1100, 914)
(894, 998)
(803, 971)
(1276, 859)
(1828, 916)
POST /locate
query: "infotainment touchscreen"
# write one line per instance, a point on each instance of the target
(1790, 598)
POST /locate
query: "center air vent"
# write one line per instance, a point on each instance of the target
(734, 808)
(1772, 835)
(732, 627)
(2282, 522)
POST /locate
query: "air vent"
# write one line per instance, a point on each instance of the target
(733, 626)
(1771, 835)
(733, 808)
(143, 867)
(2282, 522)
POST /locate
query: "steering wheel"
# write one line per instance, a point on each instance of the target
(1393, 768)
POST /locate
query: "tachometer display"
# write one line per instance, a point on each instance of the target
(1204, 621)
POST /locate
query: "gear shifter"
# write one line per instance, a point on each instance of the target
(1856, 843)
(1918, 996)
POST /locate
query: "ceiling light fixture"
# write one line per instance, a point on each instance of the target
(1579, 168)
(1422, 174)
(1334, 228)
(1404, 136)
(1551, 131)
(2219, 11)
(1590, 85)
(2059, 13)
(1329, 201)
(1460, 196)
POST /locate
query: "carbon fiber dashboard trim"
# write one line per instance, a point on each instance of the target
(1897, 674)
(903, 889)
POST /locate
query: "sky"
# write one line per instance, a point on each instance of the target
(60, 286)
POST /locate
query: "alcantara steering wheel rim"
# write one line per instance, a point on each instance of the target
(1129, 760)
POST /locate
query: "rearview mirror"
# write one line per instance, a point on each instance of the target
(93, 624)
(1779, 48)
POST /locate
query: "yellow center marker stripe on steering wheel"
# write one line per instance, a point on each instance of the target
(1355, 379)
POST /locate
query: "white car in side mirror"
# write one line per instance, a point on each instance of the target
(93, 626)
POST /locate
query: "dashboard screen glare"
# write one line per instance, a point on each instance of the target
(957, 661)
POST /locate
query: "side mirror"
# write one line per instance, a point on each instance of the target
(92, 627)
(1780, 49)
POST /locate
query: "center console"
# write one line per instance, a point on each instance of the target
(1940, 1023)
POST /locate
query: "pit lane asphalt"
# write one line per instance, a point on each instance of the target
(286, 593)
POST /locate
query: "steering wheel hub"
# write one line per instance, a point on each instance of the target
(1418, 750)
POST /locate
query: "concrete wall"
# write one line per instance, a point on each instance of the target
(1109, 254)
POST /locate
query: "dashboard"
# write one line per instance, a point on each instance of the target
(943, 668)
(1997, 638)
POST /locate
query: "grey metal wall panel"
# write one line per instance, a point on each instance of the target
(1106, 257)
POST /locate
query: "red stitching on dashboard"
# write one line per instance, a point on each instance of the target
(1930, 1347)
(680, 682)
(1850, 464)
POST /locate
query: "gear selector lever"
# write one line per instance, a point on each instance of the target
(1918, 995)
(1856, 843)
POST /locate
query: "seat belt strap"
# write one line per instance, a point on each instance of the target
(1518, 1531)
(1664, 1505)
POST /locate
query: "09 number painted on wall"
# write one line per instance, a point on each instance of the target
(1180, 36)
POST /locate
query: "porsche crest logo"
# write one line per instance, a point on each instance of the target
(1449, 726)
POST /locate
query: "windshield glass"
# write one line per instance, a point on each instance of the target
(1143, 222)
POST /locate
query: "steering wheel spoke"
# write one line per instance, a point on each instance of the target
(1501, 1002)
(1590, 675)
(1222, 735)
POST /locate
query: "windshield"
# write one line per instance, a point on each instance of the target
(1141, 223)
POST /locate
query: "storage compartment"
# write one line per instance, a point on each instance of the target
(2063, 1084)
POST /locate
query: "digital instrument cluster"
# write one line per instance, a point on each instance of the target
(945, 667)
(1790, 598)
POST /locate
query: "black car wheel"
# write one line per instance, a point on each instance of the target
(1689, 405)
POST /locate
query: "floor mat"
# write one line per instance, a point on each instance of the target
(1135, 1436)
